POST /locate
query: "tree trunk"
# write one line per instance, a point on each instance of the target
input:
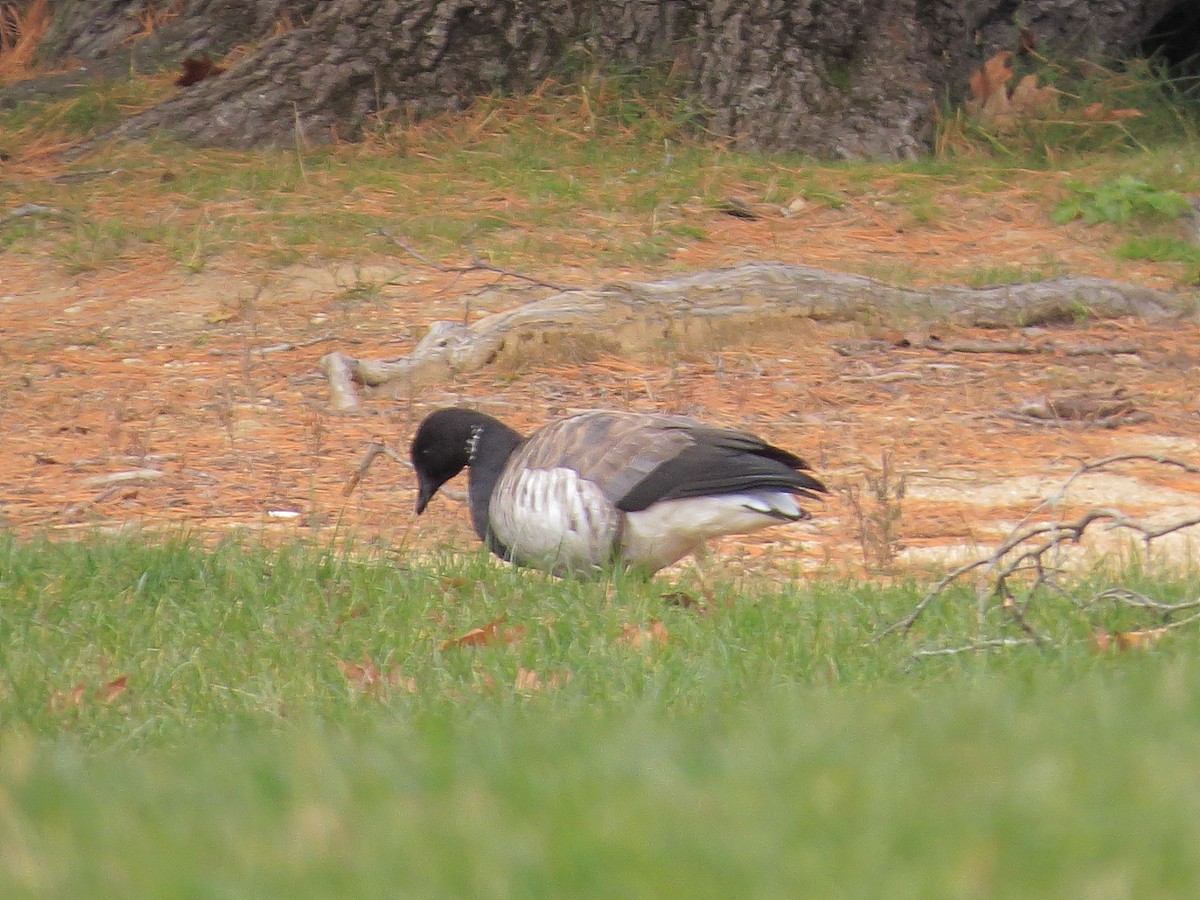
(93, 29)
(848, 79)
(856, 78)
(358, 58)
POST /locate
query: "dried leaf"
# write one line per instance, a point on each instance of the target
(1027, 98)
(527, 681)
(1098, 112)
(1103, 641)
(355, 612)
(991, 76)
(405, 682)
(72, 699)
(1139, 640)
(111, 690)
(989, 96)
(487, 635)
(360, 675)
(638, 637)
(367, 677)
(702, 605)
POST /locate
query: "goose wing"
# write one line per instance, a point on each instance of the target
(639, 459)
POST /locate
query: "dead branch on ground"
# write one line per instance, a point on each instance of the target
(379, 448)
(1031, 562)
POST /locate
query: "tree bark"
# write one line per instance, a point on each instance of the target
(855, 78)
(851, 79)
(93, 29)
(358, 58)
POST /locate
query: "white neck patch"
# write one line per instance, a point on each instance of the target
(473, 443)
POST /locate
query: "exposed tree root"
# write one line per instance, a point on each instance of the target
(634, 315)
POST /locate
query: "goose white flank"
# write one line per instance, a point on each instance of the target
(604, 489)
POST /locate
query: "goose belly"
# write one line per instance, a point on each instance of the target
(554, 519)
(669, 530)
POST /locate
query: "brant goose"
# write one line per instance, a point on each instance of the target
(604, 488)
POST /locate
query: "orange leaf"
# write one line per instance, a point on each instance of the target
(989, 96)
(366, 676)
(637, 637)
(1028, 98)
(355, 612)
(991, 77)
(1098, 112)
(361, 676)
(111, 690)
(527, 680)
(1127, 640)
(68, 699)
(407, 683)
(491, 633)
(1139, 640)
(1101, 642)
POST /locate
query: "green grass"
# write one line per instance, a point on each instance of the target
(766, 749)
(613, 170)
(1131, 106)
(1160, 248)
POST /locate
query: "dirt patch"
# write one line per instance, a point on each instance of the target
(211, 380)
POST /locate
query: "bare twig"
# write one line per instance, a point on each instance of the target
(884, 377)
(379, 448)
(1126, 597)
(476, 265)
(1020, 347)
(374, 449)
(28, 210)
(122, 477)
(112, 490)
(977, 646)
(1034, 547)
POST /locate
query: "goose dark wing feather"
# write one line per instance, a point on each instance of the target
(708, 469)
(638, 459)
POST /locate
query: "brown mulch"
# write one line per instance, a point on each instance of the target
(148, 367)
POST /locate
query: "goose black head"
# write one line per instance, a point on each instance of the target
(443, 447)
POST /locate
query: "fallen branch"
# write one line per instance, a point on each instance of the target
(374, 449)
(996, 644)
(475, 265)
(883, 377)
(122, 477)
(633, 315)
(1035, 549)
(379, 448)
(29, 210)
(936, 344)
(1111, 411)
